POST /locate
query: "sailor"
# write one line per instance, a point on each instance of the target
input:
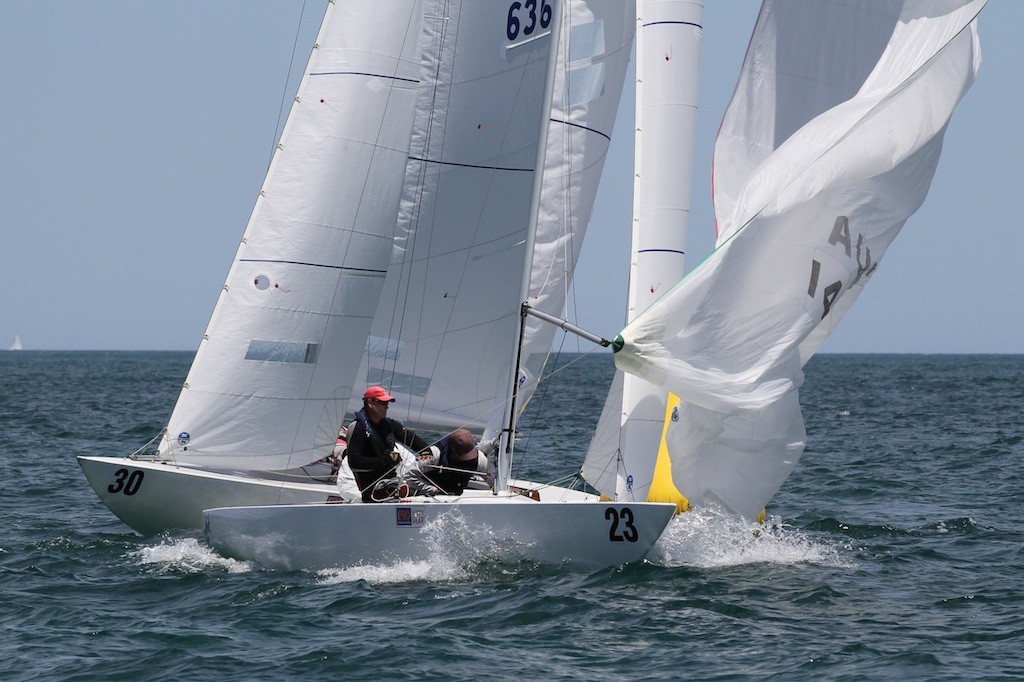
(372, 438)
(457, 459)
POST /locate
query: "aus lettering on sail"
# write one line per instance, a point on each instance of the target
(847, 258)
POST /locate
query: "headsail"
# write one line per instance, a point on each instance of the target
(593, 56)
(273, 375)
(831, 164)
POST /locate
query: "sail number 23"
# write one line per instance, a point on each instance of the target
(622, 528)
(526, 17)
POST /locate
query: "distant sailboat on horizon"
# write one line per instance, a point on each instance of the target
(16, 345)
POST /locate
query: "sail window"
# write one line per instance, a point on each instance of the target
(381, 347)
(398, 381)
(586, 77)
(282, 351)
(585, 84)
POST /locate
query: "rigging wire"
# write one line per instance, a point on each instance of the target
(287, 83)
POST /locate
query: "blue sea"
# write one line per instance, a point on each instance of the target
(893, 551)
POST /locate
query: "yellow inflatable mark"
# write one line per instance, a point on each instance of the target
(663, 488)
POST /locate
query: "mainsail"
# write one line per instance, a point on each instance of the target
(403, 241)
(623, 455)
(828, 146)
(443, 332)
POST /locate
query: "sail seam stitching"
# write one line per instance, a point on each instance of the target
(471, 165)
(363, 73)
(680, 23)
(577, 125)
(312, 265)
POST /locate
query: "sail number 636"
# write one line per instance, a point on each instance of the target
(525, 17)
(622, 528)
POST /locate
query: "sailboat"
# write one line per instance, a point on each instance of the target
(16, 344)
(406, 266)
(819, 163)
(706, 411)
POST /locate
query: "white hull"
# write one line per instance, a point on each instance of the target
(582, 532)
(152, 496)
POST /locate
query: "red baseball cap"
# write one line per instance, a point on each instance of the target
(378, 393)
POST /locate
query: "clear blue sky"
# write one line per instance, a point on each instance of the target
(136, 135)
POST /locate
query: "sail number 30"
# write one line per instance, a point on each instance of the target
(126, 482)
(525, 17)
(622, 528)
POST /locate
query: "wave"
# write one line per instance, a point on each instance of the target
(710, 538)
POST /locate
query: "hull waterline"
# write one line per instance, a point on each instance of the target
(152, 497)
(586, 534)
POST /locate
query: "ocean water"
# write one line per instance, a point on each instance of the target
(894, 550)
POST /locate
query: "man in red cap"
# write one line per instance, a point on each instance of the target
(371, 441)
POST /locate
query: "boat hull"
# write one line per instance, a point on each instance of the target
(152, 497)
(587, 534)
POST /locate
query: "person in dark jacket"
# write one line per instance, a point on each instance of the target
(458, 458)
(371, 441)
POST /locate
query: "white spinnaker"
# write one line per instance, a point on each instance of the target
(273, 374)
(800, 233)
(621, 458)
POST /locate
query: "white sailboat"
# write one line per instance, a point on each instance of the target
(819, 163)
(272, 377)
(736, 433)
(16, 344)
(486, 114)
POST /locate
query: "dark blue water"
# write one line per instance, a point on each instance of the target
(894, 550)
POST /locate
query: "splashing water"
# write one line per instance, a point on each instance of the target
(437, 569)
(710, 538)
(186, 555)
(457, 549)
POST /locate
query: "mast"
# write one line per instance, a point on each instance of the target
(507, 442)
(668, 34)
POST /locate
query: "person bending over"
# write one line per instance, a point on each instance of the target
(456, 462)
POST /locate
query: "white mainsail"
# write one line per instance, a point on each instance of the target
(16, 344)
(623, 454)
(442, 337)
(274, 372)
(819, 163)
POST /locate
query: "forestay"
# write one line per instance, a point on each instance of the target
(273, 374)
(828, 146)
